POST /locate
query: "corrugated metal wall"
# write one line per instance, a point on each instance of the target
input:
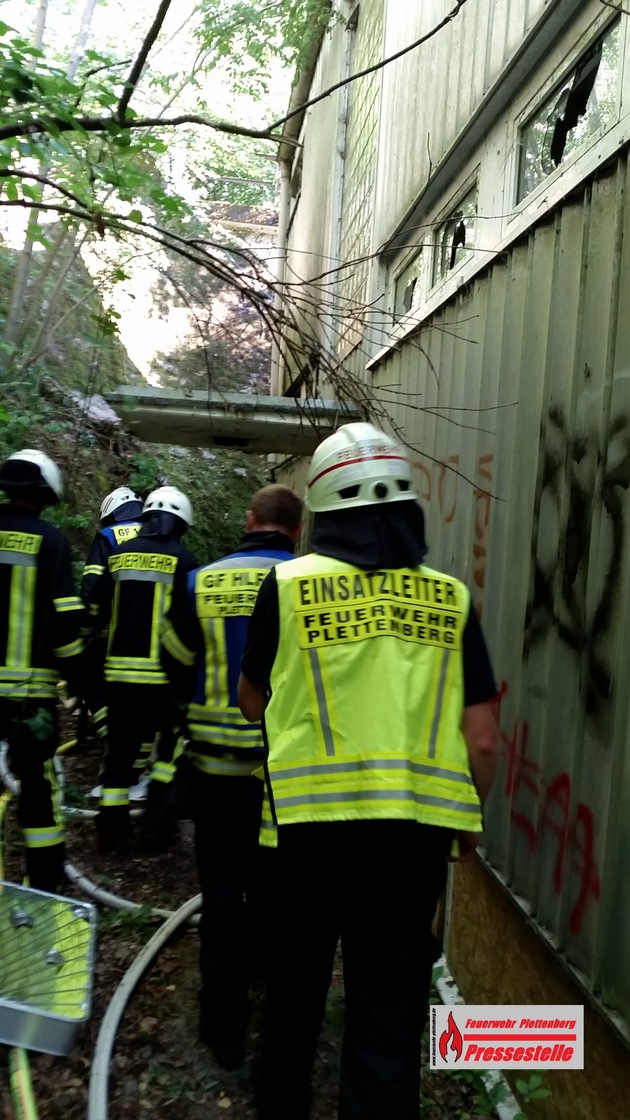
(520, 407)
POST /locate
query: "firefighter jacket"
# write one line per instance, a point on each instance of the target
(367, 697)
(104, 543)
(132, 598)
(41, 615)
(203, 639)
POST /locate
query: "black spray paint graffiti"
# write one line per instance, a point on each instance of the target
(566, 562)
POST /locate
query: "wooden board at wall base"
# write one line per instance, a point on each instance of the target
(496, 958)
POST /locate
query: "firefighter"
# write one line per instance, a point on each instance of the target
(203, 639)
(120, 521)
(131, 600)
(375, 683)
(41, 618)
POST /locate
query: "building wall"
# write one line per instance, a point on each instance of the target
(445, 80)
(521, 429)
(359, 173)
(510, 382)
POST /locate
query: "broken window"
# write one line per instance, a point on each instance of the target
(455, 236)
(410, 287)
(586, 102)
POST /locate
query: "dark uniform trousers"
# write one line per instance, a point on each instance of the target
(375, 885)
(32, 730)
(94, 691)
(226, 812)
(135, 714)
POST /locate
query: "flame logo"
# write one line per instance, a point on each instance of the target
(451, 1039)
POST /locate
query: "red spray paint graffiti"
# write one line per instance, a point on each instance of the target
(548, 813)
(439, 482)
(482, 521)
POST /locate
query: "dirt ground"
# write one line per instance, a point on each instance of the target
(159, 1068)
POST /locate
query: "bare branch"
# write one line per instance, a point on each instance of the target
(105, 66)
(615, 7)
(143, 54)
(101, 124)
(11, 173)
(372, 69)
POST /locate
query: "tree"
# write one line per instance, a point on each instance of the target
(106, 134)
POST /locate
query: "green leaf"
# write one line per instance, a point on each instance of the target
(11, 190)
(135, 216)
(41, 724)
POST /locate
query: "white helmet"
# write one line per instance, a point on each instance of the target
(116, 499)
(358, 466)
(40, 474)
(171, 500)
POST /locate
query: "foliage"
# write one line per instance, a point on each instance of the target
(219, 483)
(41, 724)
(484, 1100)
(533, 1088)
(232, 30)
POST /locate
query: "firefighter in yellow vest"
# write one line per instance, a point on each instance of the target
(41, 618)
(375, 684)
(203, 639)
(119, 522)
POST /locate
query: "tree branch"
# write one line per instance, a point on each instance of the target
(372, 69)
(143, 54)
(11, 173)
(615, 7)
(102, 124)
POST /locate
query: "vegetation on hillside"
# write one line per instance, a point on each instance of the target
(135, 226)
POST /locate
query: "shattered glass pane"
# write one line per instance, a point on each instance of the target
(586, 102)
(410, 287)
(456, 236)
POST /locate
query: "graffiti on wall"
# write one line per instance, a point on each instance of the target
(562, 580)
(440, 482)
(540, 809)
(482, 496)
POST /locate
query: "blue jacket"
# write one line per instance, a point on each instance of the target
(203, 639)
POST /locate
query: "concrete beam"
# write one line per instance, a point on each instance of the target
(244, 422)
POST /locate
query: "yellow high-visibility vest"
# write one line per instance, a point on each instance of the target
(364, 719)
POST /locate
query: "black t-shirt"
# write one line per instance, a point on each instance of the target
(264, 635)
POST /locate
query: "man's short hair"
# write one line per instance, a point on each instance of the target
(277, 505)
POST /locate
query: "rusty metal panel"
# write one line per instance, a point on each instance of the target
(516, 399)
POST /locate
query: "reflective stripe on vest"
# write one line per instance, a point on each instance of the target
(18, 684)
(365, 714)
(43, 837)
(162, 772)
(111, 798)
(228, 766)
(227, 729)
(224, 595)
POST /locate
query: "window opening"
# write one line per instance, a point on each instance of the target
(586, 102)
(410, 287)
(455, 236)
